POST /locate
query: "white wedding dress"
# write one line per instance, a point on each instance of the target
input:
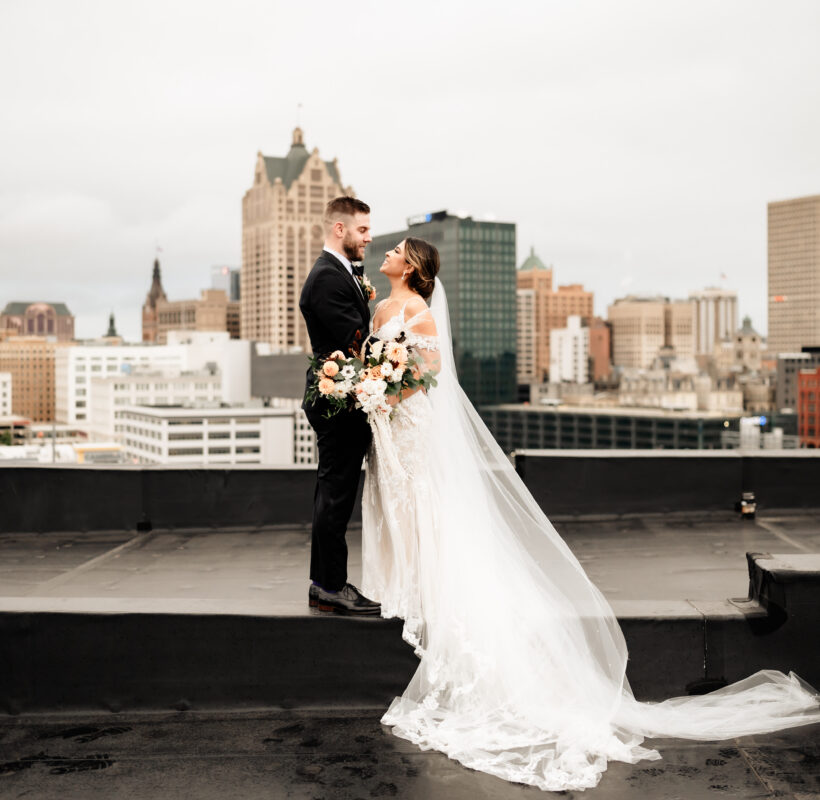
(522, 669)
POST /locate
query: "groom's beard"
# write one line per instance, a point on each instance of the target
(353, 251)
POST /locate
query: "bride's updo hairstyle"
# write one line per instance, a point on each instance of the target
(423, 258)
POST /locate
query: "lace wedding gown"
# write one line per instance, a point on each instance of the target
(522, 669)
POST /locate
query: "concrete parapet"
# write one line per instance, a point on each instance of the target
(132, 654)
(584, 483)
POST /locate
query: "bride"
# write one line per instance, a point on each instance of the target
(522, 669)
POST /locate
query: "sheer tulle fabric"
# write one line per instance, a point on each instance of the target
(522, 669)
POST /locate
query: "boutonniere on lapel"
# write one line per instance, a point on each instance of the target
(367, 287)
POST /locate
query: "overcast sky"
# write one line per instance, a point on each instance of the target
(635, 144)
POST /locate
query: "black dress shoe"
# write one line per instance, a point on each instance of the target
(348, 600)
(313, 595)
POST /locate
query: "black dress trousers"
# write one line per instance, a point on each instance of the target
(342, 442)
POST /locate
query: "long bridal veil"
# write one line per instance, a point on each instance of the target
(523, 663)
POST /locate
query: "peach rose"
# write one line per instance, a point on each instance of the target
(376, 372)
(397, 353)
(331, 368)
(337, 355)
(326, 385)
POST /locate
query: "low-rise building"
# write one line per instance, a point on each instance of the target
(679, 389)
(14, 429)
(76, 366)
(523, 427)
(186, 351)
(206, 436)
(107, 394)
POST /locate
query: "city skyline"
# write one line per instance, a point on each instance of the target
(636, 148)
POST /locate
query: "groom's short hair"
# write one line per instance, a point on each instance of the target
(344, 207)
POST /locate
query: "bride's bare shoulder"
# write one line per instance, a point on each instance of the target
(419, 318)
(415, 305)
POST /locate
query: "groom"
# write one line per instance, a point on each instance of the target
(335, 309)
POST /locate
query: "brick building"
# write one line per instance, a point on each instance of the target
(808, 407)
(213, 311)
(550, 310)
(38, 319)
(30, 361)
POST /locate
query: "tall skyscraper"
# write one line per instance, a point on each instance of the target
(600, 348)
(533, 286)
(553, 307)
(794, 274)
(38, 319)
(478, 273)
(282, 234)
(149, 308)
(715, 317)
(526, 341)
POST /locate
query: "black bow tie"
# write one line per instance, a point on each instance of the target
(358, 270)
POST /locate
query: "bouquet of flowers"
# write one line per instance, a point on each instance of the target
(367, 380)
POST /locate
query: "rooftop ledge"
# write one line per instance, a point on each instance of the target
(566, 484)
(267, 648)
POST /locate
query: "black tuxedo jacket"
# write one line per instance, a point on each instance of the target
(335, 310)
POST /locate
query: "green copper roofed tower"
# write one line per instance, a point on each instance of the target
(533, 262)
(478, 272)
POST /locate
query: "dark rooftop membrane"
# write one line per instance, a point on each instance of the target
(183, 661)
(349, 755)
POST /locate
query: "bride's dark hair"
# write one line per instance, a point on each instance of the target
(424, 260)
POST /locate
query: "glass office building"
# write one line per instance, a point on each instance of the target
(478, 273)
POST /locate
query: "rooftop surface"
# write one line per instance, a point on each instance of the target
(347, 755)
(647, 559)
(332, 753)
